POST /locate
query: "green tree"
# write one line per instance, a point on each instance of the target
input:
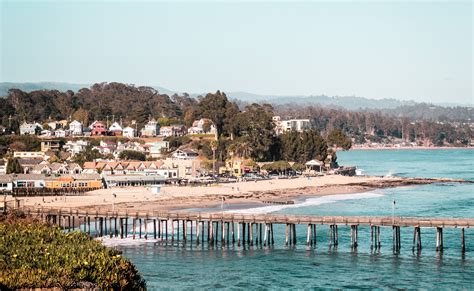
(88, 155)
(338, 138)
(13, 166)
(258, 131)
(132, 155)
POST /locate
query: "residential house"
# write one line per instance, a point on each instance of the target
(6, 183)
(61, 133)
(3, 166)
(47, 133)
(75, 147)
(156, 148)
(152, 128)
(75, 128)
(98, 128)
(116, 129)
(202, 126)
(50, 145)
(172, 130)
(184, 154)
(129, 132)
(30, 128)
(28, 164)
(53, 125)
(106, 147)
(43, 169)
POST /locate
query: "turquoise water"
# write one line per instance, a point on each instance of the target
(187, 266)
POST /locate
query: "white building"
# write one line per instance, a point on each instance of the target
(152, 128)
(75, 147)
(183, 154)
(61, 133)
(3, 167)
(202, 126)
(173, 130)
(75, 128)
(6, 183)
(298, 125)
(116, 129)
(129, 132)
(30, 128)
(156, 148)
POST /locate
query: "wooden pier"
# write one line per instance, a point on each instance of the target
(242, 229)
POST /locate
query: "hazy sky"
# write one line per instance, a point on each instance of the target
(420, 51)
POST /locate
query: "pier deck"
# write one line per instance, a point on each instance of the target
(248, 228)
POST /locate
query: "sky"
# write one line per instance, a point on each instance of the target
(418, 51)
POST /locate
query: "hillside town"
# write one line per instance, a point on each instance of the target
(55, 168)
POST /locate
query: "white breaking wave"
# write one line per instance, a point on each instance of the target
(308, 202)
(116, 241)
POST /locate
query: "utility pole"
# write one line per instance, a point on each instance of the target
(393, 212)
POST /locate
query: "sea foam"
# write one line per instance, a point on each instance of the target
(308, 202)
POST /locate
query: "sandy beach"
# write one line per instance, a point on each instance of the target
(185, 197)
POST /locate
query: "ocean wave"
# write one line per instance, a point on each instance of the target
(308, 202)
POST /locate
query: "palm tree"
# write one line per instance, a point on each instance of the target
(214, 146)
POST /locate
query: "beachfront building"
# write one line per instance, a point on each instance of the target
(116, 129)
(30, 181)
(133, 180)
(152, 128)
(75, 128)
(314, 167)
(129, 132)
(75, 181)
(30, 128)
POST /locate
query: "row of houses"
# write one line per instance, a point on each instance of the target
(167, 168)
(99, 128)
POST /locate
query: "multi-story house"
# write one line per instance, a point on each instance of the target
(98, 128)
(116, 129)
(75, 127)
(152, 128)
(30, 128)
(129, 132)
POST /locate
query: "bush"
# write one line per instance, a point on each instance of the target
(34, 254)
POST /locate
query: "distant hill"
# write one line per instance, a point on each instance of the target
(346, 102)
(28, 87)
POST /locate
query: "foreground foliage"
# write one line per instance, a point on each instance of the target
(34, 254)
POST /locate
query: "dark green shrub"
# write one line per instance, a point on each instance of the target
(36, 255)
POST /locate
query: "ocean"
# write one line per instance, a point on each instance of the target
(185, 266)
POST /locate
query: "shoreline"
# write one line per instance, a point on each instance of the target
(178, 198)
(377, 148)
